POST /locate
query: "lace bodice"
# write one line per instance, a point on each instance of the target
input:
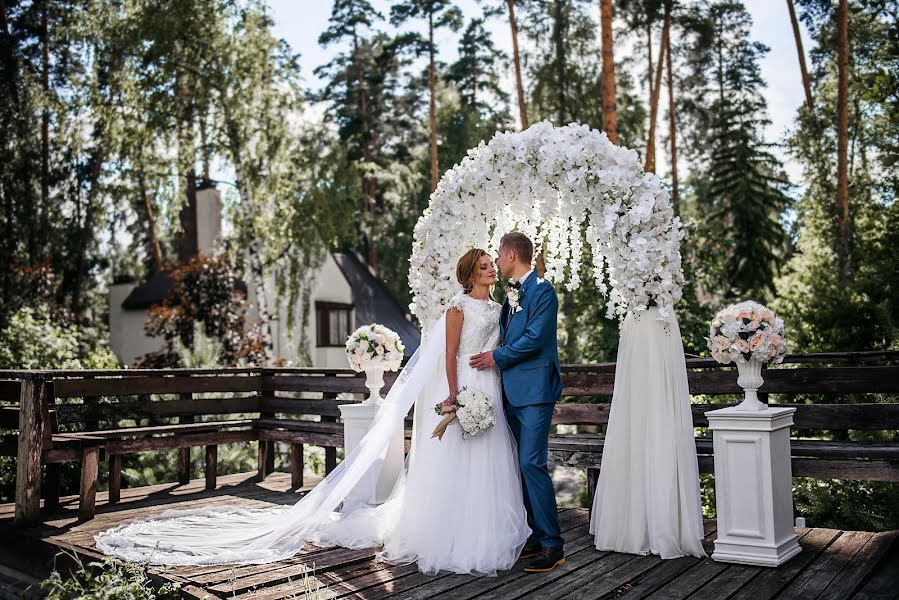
(480, 325)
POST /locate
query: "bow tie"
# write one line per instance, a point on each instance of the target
(515, 284)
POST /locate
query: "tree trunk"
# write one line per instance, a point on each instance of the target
(187, 241)
(843, 136)
(432, 85)
(609, 107)
(649, 69)
(650, 165)
(516, 57)
(559, 43)
(806, 84)
(45, 120)
(672, 131)
(151, 225)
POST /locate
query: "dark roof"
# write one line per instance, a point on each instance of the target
(152, 291)
(156, 289)
(374, 302)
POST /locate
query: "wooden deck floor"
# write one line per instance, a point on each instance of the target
(833, 564)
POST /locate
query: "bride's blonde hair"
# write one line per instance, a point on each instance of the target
(467, 267)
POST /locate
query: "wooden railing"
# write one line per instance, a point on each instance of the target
(63, 416)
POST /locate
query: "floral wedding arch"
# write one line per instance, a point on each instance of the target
(553, 183)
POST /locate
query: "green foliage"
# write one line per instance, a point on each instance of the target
(740, 193)
(110, 579)
(35, 339)
(202, 320)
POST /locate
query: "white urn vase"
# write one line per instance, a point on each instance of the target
(750, 379)
(374, 381)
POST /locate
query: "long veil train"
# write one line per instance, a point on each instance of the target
(243, 535)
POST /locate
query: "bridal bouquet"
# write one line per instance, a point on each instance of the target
(745, 331)
(374, 346)
(474, 410)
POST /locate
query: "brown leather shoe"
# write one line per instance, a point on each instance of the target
(531, 549)
(547, 560)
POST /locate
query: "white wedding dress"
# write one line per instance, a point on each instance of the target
(647, 497)
(458, 506)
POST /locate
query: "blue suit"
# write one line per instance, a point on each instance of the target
(528, 360)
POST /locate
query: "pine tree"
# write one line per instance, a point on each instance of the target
(476, 73)
(741, 193)
(438, 14)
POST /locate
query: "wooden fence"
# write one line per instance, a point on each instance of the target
(52, 417)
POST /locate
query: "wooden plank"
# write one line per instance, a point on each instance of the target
(861, 565)
(184, 453)
(885, 581)
(274, 574)
(300, 425)
(826, 566)
(769, 582)
(28, 457)
(573, 525)
(301, 406)
(644, 585)
(307, 437)
(143, 408)
(867, 416)
(115, 478)
(211, 470)
(296, 465)
(155, 384)
(799, 448)
(178, 441)
(723, 380)
(331, 385)
(88, 494)
(131, 432)
(859, 470)
(262, 450)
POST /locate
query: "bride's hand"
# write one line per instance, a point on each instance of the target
(445, 410)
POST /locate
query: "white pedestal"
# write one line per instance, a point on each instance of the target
(753, 486)
(357, 419)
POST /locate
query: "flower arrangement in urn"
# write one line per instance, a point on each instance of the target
(374, 349)
(745, 331)
(374, 346)
(749, 335)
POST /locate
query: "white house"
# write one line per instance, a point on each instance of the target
(345, 294)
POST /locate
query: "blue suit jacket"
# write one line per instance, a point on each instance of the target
(529, 355)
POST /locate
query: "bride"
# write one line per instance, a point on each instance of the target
(457, 507)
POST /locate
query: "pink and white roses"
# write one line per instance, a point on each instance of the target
(745, 331)
(374, 346)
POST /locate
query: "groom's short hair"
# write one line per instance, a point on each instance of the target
(520, 243)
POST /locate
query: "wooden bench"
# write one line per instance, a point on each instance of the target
(90, 431)
(812, 456)
(301, 407)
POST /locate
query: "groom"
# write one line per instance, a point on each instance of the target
(528, 359)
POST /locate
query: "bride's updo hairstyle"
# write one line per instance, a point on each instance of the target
(467, 268)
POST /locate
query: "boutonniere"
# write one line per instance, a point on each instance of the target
(514, 297)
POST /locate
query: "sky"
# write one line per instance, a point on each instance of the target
(301, 21)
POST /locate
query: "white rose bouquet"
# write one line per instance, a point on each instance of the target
(474, 410)
(374, 346)
(745, 331)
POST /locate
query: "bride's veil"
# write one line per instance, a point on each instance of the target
(235, 534)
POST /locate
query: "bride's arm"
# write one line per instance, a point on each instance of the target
(454, 320)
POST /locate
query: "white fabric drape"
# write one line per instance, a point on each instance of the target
(647, 498)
